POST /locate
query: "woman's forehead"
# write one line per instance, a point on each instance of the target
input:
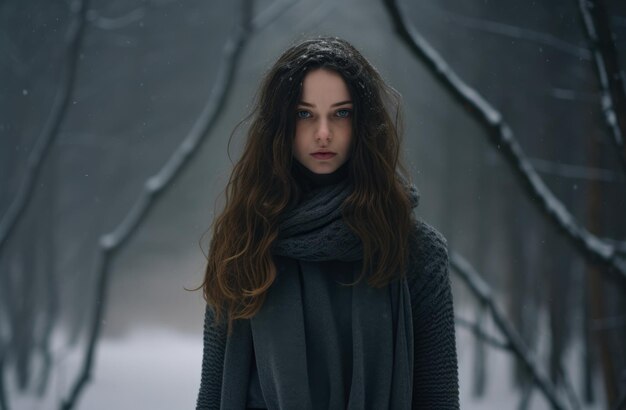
(324, 87)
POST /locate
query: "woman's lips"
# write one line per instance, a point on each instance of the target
(323, 155)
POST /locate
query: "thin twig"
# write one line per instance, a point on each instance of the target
(621, 401)
(51, 317)
(575, 171)
(115, 23)
(510, 31)
(569, 389)
(503, 139)
(480, 357)
(271, 13)
(596, 21)
(6, 328)
(483, 293)
(526, 396)
(3, 395)
(51, 128)
(481, 334)
(607, 323)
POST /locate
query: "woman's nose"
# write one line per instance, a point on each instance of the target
(323, 131)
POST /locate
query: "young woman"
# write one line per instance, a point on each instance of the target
(323, 290)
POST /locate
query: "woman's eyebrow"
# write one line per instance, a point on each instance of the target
(306, 104)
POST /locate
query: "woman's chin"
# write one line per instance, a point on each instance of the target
(321, 168)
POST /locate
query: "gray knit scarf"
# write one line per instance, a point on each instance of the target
(315, 231)
(382, 336)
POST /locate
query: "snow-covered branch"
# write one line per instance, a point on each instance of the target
(597, 27)
(51, 127)
(483, 293)
(154, 186)
(502, 138)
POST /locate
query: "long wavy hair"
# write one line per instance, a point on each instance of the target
(240, 268)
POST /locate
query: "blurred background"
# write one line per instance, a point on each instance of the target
(114, 125)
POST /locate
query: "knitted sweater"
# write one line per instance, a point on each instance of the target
(435, 374)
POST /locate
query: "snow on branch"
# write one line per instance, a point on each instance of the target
(50, 130)
(112, 242)
(597, 26)
(514, 341)
(502, 138)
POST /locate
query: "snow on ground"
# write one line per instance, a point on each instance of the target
(149, 369)
(159, 369)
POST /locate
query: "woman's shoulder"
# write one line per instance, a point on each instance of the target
(428, 253)
(426, 242)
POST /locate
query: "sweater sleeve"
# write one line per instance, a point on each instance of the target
(212, 363)
(435, 368)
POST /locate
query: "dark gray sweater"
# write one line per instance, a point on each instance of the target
(435, 375)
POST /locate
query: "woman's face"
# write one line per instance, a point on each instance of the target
(323, 122)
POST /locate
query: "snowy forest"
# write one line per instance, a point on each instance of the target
(115, 119)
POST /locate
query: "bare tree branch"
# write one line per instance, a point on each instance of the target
(597, 27)
(483, 293)
(3, 398)
(511, 31)
(115, 23)
(481, 334)
(619, 21)
(527, 393)
(271, 13)
(621, 402)
(7, 318)
(51, 317)
(51, 128)
(479, 374)
(569, 389)
(568, 94)
(3, 394)
(620, 246)
(156, 185)
(607, 323)
(502, 137)
(575, 171)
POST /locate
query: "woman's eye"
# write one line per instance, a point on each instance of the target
(343, 113)
(303, 114)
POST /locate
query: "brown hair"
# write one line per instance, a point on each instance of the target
(240, 268)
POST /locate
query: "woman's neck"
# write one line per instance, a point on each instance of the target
(309, 180)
